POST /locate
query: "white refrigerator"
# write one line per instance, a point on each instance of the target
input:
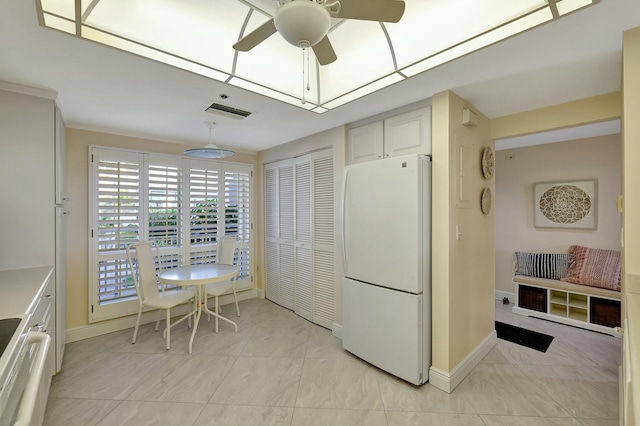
(387, 263)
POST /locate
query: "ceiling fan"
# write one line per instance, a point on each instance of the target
(305, 23)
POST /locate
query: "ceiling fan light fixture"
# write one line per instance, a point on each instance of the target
(210, 150)
(302, 23)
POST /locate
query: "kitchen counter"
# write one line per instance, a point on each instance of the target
(19, 289)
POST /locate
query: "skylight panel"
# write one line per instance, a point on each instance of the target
(58, 23)
(261, 90)
(370, 88)
(145, 51)
(198, 35)
(479, 42)
(567, 6)
(277, 64)
(363, 55)
(199, 30)
(429, 27)
(64, 8)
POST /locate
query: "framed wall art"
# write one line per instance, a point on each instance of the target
(570, 205)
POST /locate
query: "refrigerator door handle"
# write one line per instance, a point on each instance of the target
(344, 219)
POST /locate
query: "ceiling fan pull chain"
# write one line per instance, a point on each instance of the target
(308, 88)
(304, 75)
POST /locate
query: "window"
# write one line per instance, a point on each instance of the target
(183, 204)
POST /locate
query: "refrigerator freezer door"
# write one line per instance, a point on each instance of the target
(384, 327)
(383, 222)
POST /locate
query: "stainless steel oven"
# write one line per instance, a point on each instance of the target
(25, 373)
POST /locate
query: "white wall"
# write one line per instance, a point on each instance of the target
(591, 158)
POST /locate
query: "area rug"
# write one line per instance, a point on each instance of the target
(524, 337)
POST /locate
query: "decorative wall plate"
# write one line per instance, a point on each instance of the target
(485, 201)
(487, 162)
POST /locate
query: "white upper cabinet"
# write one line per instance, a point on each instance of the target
(366, 142)
(402, 134)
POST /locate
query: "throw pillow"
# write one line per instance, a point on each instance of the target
(553, 266)
(594, 267)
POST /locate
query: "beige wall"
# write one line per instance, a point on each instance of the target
(631, 153)
(78, 142)
(463, 269)
(334, 139)
(516, 172)
(570, 114)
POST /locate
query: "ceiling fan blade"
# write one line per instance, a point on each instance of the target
(372, 10)
(324, 51)
(256, 37)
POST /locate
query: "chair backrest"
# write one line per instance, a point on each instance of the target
(145, 279)
(226, 251)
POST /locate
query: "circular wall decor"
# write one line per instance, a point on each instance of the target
(488, 165)
(565, 204)
(485, 201)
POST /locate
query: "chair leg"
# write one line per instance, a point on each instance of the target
(236, 299)
(135, 330)
(158, 320)
(168, 329)
(217, 311)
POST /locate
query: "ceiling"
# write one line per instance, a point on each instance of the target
(104, 89)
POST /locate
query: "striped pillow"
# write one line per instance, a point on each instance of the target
(553, 266)
(595, 267)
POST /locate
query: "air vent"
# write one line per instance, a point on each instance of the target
(227, 111)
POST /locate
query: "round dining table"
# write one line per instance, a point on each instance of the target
(199, 276)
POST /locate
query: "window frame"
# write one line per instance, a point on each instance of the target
(99, 310)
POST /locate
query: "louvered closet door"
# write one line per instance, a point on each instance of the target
(303, 249)
(323, 239)
(272, 260)
(286, 235)
(299, 228)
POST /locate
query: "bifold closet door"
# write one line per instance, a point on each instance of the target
(299, 230)
(303, 248)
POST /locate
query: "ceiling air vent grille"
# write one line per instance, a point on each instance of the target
(227, 111)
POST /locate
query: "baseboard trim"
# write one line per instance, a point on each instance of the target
(117, 324)
(449, 381)
(336, 330)
(502, 294)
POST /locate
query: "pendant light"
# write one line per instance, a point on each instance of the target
(210, 150)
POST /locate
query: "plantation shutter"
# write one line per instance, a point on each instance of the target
(182, 204)
(116, 197)
(164, 207)
(204, 201)
(238, 219)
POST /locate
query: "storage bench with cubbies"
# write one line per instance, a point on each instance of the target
(581, 306)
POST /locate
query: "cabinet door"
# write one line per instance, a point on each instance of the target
(408, 133)
(365, 143)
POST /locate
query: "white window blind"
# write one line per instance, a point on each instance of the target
(204, 192)
(180, 203)
(237, 216)
(117, 197)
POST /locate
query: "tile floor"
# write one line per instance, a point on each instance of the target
(282, 370)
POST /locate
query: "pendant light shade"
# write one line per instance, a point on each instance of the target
(210, 150)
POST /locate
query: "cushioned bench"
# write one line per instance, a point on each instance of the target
(591, 307)
(565, 286)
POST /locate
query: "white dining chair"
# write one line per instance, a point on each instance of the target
(225, 254)
(142, 258)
